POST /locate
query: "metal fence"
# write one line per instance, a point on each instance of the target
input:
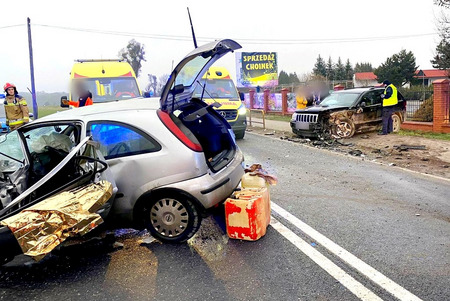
(411, 108)
(418, 105)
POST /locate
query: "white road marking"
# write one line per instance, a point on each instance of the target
(362, 267)
(339, 274)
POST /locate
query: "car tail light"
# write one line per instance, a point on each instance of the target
(168, 122)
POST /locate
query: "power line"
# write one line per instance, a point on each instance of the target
(10, 26)
(243, 40)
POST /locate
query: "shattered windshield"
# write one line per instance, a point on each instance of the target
(216, 88)
(11, 152)
(340, 99)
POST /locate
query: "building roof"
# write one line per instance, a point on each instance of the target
(365, 76)
(432, 73)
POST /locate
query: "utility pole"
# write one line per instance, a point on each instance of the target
(33, 89)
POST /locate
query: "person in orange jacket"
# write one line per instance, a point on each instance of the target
(16, 108)
(84, 99)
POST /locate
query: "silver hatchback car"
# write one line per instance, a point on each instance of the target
(172, 159)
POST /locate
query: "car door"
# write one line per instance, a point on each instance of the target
(132, 155)
(52, 161)
(370, 107)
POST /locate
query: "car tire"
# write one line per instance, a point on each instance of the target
(171, 217)
(344, 128)
(240, 135)
(396, 122)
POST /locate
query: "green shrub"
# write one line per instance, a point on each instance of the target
(425, 112)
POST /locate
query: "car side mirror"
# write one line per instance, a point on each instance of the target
(30, 115)
(242, 96)
(63, 99)
(147, 94)
(363, 104)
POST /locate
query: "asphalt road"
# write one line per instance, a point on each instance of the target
(375, 232)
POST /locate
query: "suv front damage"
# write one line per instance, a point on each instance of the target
(344, 113)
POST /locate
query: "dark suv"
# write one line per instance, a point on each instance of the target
(343, 113)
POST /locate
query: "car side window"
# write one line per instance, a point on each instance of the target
(372, 98)
(120, 140)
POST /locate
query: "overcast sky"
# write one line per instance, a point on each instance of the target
(361, 30)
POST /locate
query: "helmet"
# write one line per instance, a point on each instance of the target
(386, 82)
(9, 85)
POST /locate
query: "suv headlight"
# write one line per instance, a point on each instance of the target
(242, 110)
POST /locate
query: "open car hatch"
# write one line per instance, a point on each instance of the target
(181, 84)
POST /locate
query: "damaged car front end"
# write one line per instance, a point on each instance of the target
(344, 113)
(38, 164)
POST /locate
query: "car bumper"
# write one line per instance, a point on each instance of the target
(213, 188)
(240, 124)
(304, 131)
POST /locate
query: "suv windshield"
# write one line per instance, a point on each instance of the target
(11, 153)
(216, 88)
(340, 99)
(108, 89)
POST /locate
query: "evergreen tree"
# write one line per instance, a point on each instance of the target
(363, 67)
(348, 70)
(330, 69)
(293, 78)
(319, 67)
(283, 78)
(399, 69)
(339, 70)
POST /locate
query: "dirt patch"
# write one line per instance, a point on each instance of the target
(429, 156)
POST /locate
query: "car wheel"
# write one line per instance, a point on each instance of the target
(171, 217)
(240, 135)
(344, 128)
(396, 122)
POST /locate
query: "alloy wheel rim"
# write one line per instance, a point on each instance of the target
(396, 124)
(169, 217)
(343, 129)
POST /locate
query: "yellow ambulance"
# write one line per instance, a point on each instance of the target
(107, 80)
(217, 86)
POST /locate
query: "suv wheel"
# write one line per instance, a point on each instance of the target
(344, 128)
(171, 217)
(396, 122)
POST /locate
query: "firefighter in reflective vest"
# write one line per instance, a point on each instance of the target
(84, 97)
(16, 109)
(390, 100)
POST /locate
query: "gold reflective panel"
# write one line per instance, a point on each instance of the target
(43, 226)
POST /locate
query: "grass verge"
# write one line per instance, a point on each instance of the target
(48, 110)
(439, 136)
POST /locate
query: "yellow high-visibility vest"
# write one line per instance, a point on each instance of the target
(393, 100)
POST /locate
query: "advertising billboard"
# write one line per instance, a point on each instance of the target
(256, 69)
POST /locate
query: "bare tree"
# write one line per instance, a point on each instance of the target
(134, 54)
(444, 3)
(161, 83)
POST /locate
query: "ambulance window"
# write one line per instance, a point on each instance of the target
(120, 140)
